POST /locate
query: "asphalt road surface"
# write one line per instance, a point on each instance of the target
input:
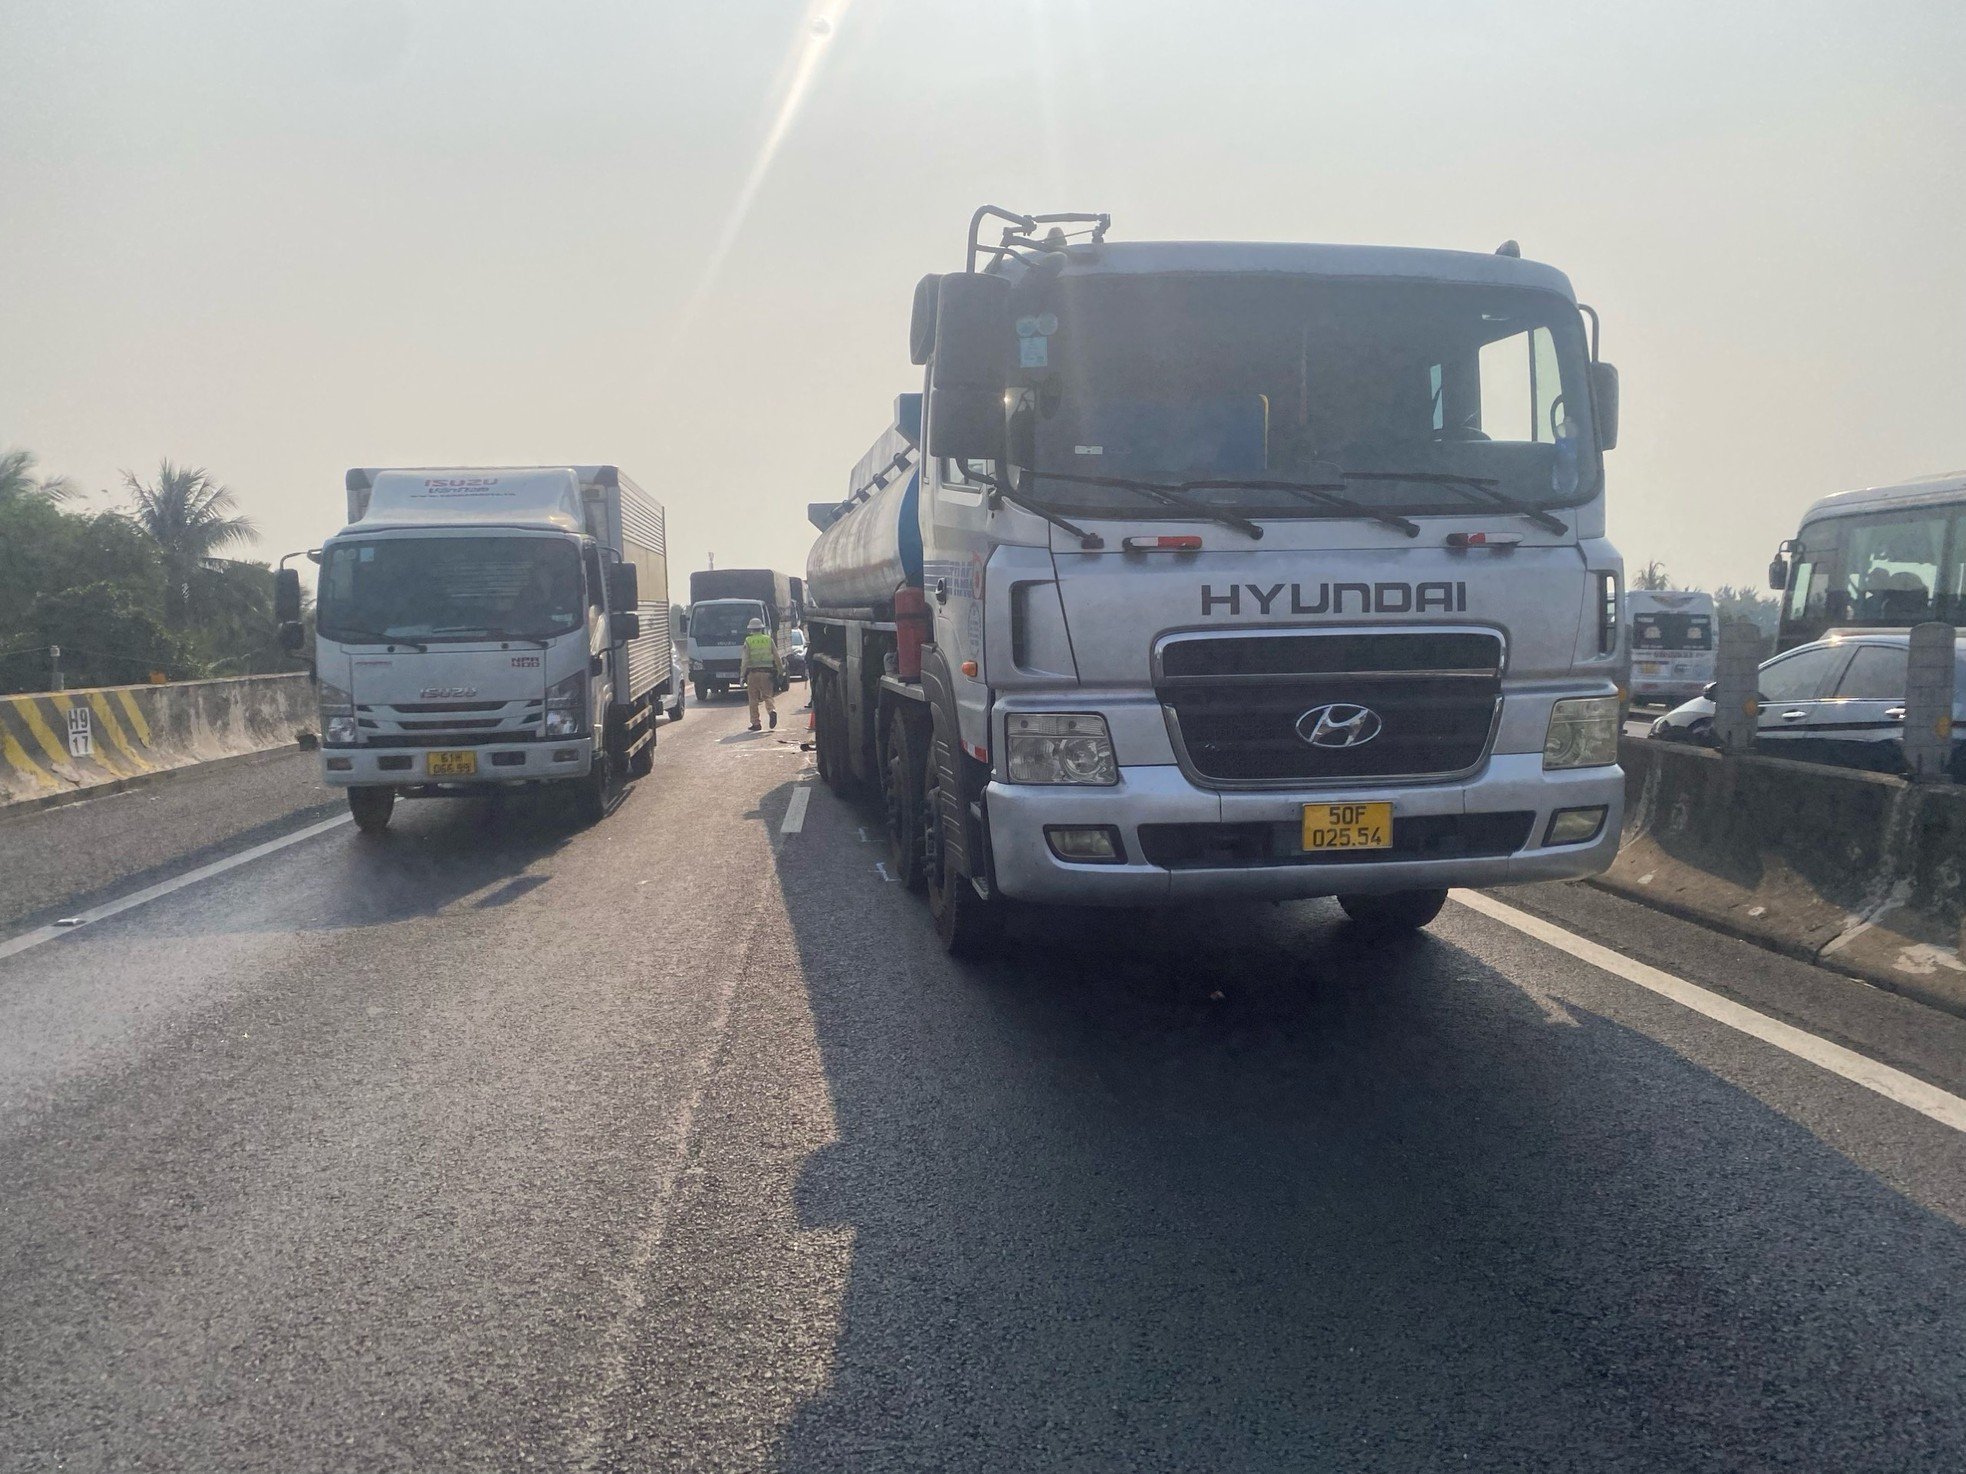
(675, 1143)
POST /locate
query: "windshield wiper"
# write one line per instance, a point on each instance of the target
(999, 492)
(1319, 493)
(490, 634)
(370, 637)
(1482, 487)
(1168, 496)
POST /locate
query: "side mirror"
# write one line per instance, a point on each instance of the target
(921, 326)
(291, 635)
(1778, 573)
(624, 625)
(908, 418)
(1604, 398)
(1710, 690)
(823, 515)
(973, 338)
(286, 596)
(624, 586)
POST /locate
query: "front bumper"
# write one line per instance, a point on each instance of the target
(498, 764)
(1510, 784)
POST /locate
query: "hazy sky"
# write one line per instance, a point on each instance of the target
(280, 239)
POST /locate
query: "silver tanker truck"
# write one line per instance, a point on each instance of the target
(1202, 569)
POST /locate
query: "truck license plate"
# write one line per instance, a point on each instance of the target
(452, 765)
(1348, 826)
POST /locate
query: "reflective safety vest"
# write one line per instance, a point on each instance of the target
(759, 652)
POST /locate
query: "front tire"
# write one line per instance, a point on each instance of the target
(966, 923)
(593, 794)
(371, 808)
(1394, 914)
(676, 711)
(901, 795)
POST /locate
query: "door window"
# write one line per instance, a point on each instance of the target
(1876, 673)
(1798, 677)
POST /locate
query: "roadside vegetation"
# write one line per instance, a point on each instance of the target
(1730, 601)
(153, 585)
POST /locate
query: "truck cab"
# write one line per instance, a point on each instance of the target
(479, 629)
(716, 642)
(1253, 571)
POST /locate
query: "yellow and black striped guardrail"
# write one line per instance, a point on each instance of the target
(58, 742)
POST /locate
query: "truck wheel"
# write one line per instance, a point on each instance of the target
(702, 692)
(829, 733)
(371, 808)
(643, 762)
(676, 711)
(966, 924)
(593, 794)
(1402, 911)
(901, 792)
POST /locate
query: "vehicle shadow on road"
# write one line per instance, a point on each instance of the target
(436, 853)
(1239, 1188)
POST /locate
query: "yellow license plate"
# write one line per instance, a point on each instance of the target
(1348, 826)
(452, 765)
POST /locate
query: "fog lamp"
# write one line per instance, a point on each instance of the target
(1574, 826)
(1094, 844)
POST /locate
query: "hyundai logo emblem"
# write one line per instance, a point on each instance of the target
(1339, 724)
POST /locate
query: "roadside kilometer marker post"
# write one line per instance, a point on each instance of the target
(81, 733)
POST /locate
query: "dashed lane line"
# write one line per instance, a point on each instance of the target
(795, 811)
(14, 946)
(1858, 1069)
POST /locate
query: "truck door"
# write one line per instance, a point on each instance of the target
(956, 544)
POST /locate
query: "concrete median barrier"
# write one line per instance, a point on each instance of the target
(1862, 872)
(59, 743)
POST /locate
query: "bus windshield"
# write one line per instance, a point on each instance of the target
(1889, 568)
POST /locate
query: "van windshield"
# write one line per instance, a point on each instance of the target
(451, 588)
(1393, 390)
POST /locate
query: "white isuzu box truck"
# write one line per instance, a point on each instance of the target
(1206, 569)
(478, 628)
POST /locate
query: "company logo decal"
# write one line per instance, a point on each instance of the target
(1446, 597)
(1339, 724)
(446, 693)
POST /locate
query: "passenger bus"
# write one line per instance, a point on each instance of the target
(1887, 557)
(1671, 639)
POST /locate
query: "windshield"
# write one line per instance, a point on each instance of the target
(451, 588)
(1185, 378)
(722, 624)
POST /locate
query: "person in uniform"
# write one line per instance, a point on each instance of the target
(762, 671)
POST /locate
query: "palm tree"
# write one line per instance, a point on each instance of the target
(18, 481)
(1652, 577)
(190, 517)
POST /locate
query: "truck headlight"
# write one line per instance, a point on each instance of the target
(695, 666)
(338, 727)
(566, 706)
(1583, 733)
(1060, 747)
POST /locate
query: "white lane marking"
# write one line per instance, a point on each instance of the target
(67, 926)
(1858, 1069)
(795, 812)
(881, 866)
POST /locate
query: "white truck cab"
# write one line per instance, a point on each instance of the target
(1249, 570)
(480, 628)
